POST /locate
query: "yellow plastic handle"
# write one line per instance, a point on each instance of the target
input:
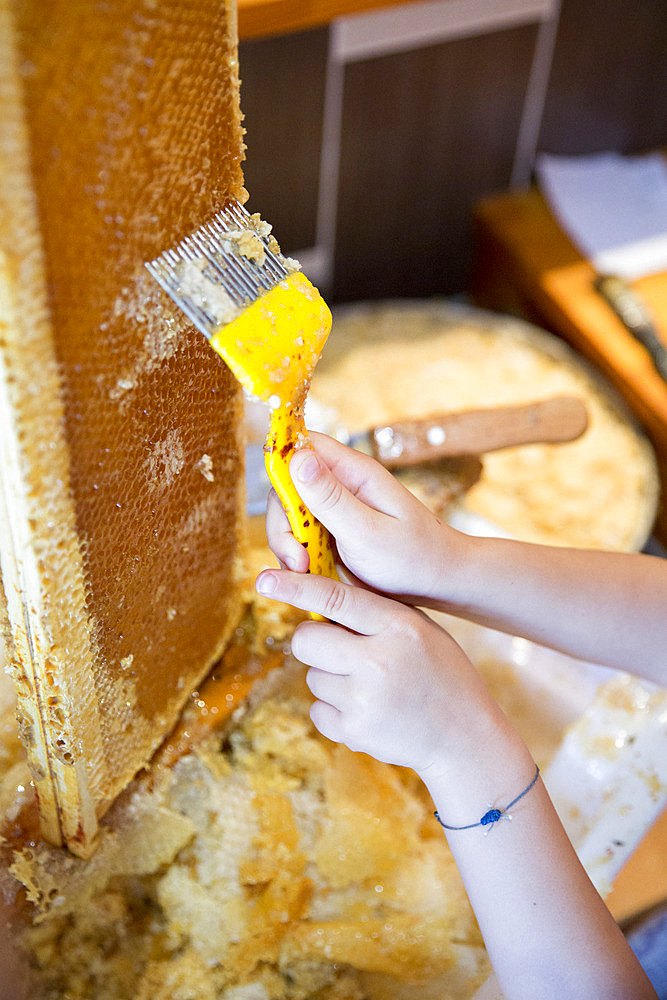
(272, 348)
(286, 429)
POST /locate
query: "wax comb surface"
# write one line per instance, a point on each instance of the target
(122, 476)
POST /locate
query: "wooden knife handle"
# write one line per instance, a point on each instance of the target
(473, 432)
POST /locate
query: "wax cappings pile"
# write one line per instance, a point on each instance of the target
(268, 863)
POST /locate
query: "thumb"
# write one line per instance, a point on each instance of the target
(326, 497)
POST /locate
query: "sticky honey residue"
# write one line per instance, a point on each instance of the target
(209, 296)
(205, 466)
(166, 459)
(248, 245)
(158, 327)
(248, 242)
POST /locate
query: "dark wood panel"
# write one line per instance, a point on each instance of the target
(282, 97)
(425, 135)
(608, 85)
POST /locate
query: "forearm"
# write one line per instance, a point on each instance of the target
(390, 682)
(601, 606)
(547, 931)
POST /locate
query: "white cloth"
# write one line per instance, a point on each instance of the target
(613, 207)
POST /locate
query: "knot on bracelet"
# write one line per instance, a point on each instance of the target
(493, 814)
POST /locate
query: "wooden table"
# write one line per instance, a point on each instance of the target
(526, 265)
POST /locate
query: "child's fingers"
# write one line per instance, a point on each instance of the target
(280, 538)
(328, 687)
(339, 510)
(359, 610)
(313, 643)
(328, 720)
(359, 473)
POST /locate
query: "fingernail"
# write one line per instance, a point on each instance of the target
(305, 465)
(290, 562)
(266, 583)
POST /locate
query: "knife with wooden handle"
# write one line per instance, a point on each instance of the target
(473, 432)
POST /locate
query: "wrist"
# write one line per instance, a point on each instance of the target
(451, 569)
(484, 767)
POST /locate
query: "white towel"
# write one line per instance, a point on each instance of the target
(613, 207)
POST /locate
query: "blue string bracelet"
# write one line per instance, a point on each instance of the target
(493, 815)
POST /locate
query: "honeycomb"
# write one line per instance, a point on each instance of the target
(121, 511)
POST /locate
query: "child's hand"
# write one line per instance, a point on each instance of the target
(388, 680)
(384, 535)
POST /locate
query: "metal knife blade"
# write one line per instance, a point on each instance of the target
(634, 315)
